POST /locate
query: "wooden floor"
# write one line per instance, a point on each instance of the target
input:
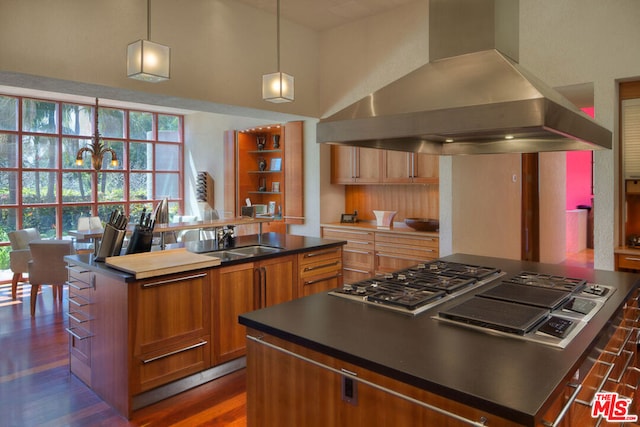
(37, 389)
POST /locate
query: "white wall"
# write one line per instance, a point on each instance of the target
(552, 187)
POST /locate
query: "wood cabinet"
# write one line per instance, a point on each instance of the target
(396, 251)
(355, 165)
(281, 378)
(81, 296)
(319, 271)
(171, 328)
(247, 287)
(402, 168)
(265, 166)
(369, 252)
(358, 254)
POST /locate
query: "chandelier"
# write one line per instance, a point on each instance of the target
(96, 148)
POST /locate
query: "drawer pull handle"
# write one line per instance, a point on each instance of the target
(360, 242)
(605, 378)
(71, 268)
(71, 331)
(311, 282)
(400, 257)
(171, 353)
(566, 407)
(315, 254)
(317, 267)
(73, 285)
(630, 258)
(81, 303)
(177, 279)
(74, 317)
(358, 252)
(356, 270)
(367, 233)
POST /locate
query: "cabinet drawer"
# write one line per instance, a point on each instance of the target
(631, 262)
(352, 275)
(80, 278)
(171, 363)
(353, 237)
(633, 187)
(363, 260)
(321, 283)
(386, 239)
(320, 255)
(325, 267)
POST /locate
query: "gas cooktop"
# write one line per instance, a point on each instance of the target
(420, 287)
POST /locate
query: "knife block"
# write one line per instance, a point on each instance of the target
(140, 241)
(111, 242)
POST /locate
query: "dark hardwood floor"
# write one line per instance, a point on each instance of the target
(37, 389)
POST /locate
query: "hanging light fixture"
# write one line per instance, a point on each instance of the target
(96, 148)
(277, 87)
(146, 60)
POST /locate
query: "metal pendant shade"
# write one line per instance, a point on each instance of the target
(277, 87)
(146, 60)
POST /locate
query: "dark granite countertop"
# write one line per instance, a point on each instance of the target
(508, 377)
(290, 244)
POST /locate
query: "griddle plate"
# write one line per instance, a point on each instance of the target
(531, 295)
(495, 314)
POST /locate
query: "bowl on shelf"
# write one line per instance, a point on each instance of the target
(423, 224)
(384, 218)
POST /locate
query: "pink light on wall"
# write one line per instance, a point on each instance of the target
(579, 175)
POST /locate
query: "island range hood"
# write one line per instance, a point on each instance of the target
(471, 98)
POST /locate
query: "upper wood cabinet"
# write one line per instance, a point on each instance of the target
(265, 165)
(402, 167)
(355, 165)
(358, 165)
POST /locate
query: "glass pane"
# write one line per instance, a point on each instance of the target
(43, 219)
(39, 187)
(140, 125)
(8, 188)
(70, 147)
(39, 116)
(77, 120)
(167, 157)
(110, 186)
(167, 186)
(8, 113)
(111, 123)
(140, 156)
(104, 211)
(140, 186)
(168, 128)
(39, 152)
(70, 216)
(8, 222)
(76, 187)
(8, 150)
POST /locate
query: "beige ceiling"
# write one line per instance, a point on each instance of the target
(324, 14)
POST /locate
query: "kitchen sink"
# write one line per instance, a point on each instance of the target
(254, 250)
(243, 252)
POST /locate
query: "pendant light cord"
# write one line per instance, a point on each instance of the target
(278, 33)
(149, 20)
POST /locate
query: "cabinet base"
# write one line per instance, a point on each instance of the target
(157, 394)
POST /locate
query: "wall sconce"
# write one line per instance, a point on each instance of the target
(96, 148)
(277, 87)
(146, 60)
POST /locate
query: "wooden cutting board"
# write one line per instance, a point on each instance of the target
(158, 263)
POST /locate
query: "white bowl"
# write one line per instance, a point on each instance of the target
(384, 218)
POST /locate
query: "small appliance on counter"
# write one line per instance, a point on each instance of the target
(113, 236)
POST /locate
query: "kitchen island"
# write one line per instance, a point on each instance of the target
(333, 361)
(140, 335)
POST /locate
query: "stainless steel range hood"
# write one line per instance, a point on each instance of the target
(477, 102)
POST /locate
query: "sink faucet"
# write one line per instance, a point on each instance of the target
(224, 236)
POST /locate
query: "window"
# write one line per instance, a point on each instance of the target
(42, 187)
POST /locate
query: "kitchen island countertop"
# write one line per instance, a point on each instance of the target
(512, 378)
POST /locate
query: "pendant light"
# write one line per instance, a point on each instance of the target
(277, 87)
(146, 60)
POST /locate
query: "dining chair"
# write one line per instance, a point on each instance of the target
(20, 255)
(48, 267)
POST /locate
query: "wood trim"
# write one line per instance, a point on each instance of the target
(293, 204)
(629, 90)
(530, 208)
(230, 194)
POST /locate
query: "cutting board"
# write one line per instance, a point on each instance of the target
(159, 263)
